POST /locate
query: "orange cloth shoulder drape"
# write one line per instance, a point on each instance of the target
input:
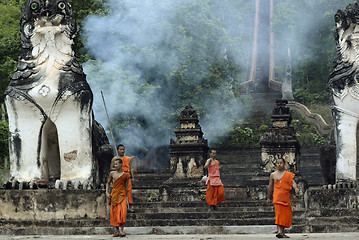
(281, 200)
(126, 168)
(118, 201)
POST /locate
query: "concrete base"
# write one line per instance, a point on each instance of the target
(51, 205)
(260, 229)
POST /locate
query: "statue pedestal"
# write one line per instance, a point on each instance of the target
(47, 207)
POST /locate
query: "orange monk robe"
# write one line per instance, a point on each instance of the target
(118, 201)
(281, 200)
(215, 189)
(126, 168)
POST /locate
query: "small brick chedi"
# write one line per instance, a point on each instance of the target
(280, 141)
(189, 152)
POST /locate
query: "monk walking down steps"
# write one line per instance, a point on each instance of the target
(127, 168)
(117, 198)
(215, 189)
(283, 183)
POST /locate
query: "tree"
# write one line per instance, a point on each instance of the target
(9, 41)
(307, 27)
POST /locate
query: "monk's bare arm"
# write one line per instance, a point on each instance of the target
(270, 188)
(295, 186)
(207, 163)
(108, 185)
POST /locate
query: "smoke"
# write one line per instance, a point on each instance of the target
(307, 27)
(154, 57)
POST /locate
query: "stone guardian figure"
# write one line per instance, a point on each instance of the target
(343, 89)
(49, 102)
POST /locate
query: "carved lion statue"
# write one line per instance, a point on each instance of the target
(53, 135)
(343, 89)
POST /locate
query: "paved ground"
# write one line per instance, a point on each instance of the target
(302, 236)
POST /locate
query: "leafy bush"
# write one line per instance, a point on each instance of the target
(4, 144)
(307, 134)
(238, 137)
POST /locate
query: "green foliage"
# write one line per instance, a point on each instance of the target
(152, 197)
(306, 96)
(306, 134)
(238, 137)
(81, 9)
(263, 128)
(9, 41)
(307, 27)
(4, 144)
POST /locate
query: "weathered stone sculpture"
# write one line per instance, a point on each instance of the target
(188, 153)
(53, 134)
(343, 88)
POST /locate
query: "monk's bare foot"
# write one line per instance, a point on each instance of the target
(122, 234)
(279, 235)
(117, 234)
(285, 236)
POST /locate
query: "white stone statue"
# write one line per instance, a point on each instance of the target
(343, 88)
(49, 102)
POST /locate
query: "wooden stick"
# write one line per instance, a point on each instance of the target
(109, 123)
(113, 139)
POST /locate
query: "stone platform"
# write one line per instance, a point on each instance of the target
(184, 210)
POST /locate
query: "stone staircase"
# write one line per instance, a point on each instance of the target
(241, 168)
(185, 211)
(245, 194)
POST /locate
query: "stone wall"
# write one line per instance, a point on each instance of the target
(331, 199)
(50, 204)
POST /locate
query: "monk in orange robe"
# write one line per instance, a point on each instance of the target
(127, 168)
(117, 198)
(283, 183)
(215, 189)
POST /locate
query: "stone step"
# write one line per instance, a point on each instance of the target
(238, 174)
(192, 204)
(165, 230)
(162, 219)
(202, 209)
(209, 221)
(239, 165)
(158, 230)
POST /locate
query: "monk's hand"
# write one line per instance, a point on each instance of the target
(268, 201)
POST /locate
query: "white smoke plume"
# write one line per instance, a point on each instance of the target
(139, 35)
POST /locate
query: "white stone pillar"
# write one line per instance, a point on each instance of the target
(345, 133)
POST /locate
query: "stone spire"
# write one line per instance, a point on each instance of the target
(280, 140)
(189, 151)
